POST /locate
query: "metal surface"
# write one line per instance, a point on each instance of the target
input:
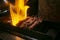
(7, 36)
(24, 33)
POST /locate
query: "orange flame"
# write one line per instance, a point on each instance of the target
(18, 11)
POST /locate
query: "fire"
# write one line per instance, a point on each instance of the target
(18, 11)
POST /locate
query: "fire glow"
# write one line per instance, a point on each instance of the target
(18, 11)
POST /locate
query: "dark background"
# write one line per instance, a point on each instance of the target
(33, 10)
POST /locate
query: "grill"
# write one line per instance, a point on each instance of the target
(32, 28)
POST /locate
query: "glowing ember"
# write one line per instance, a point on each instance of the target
(18, 11)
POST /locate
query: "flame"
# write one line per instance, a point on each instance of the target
(18, 11)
